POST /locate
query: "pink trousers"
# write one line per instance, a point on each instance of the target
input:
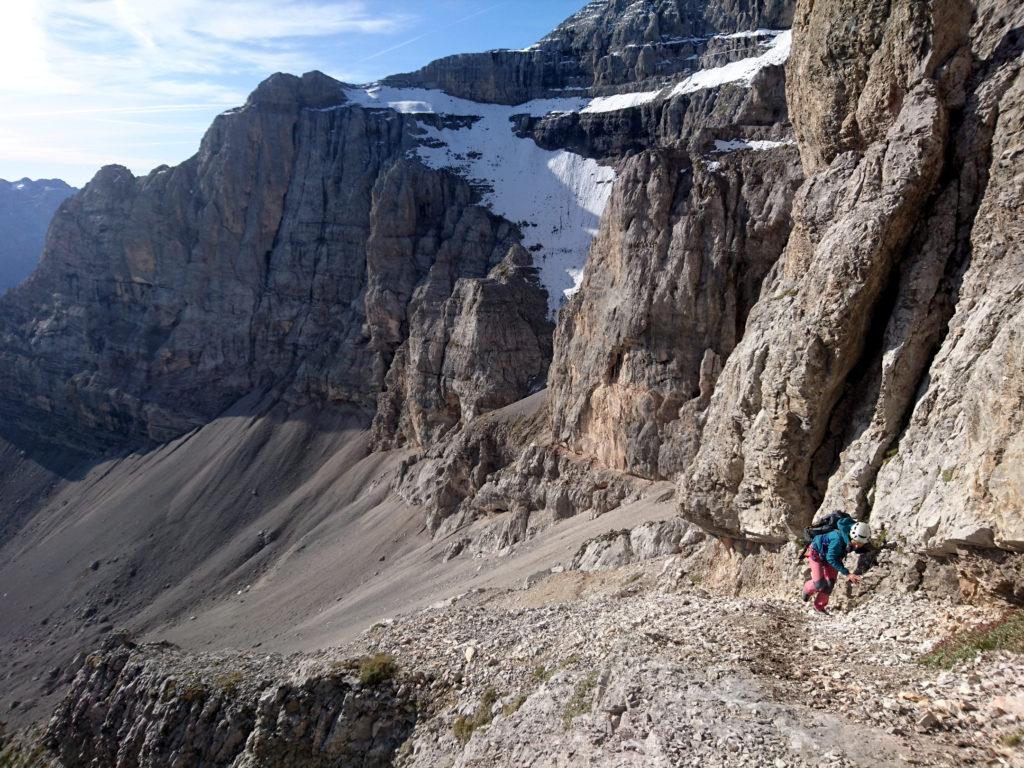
(822, 581)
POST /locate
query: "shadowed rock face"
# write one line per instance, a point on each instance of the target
(609, 44)
(473, 347)
(26, 207)
(283, 256)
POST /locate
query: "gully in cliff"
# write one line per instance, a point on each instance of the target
(830, 543)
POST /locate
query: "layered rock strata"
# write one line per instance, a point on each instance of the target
(611, 46)
(677, 267)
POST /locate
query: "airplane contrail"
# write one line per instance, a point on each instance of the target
(431, 32)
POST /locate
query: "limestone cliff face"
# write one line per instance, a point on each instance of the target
(283, 257)
(889, 226)
(955, 476)
(675, 271)
(700, 212)
(474, 346)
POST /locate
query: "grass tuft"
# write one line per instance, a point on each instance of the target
(229, 682)
(1006, 634)
(374, 670)
(513, 706)
(579, 704)
(463, 727)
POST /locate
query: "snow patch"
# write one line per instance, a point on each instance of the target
(742, 71)
(556, 197)
(419, 101)
(621, 101)
(751, 33)
(734, 145)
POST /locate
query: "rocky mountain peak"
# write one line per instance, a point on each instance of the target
(313, 90)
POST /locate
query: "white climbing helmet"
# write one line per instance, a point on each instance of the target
(860, 533)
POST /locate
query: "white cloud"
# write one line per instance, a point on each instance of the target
(65, 65)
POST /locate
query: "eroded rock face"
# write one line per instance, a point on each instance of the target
(473, 347)
(645, 542)
(679, 262)
(814, 397)
(152, 706)
(776, 393)
(956, 474)
(504, 466)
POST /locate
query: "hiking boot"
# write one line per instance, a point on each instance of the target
(822, 611)
(804, 596)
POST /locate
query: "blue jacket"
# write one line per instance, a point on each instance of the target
(832, 547)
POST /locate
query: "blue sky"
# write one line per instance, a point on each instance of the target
(84, 83)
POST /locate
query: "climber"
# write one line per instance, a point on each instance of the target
(826, 553)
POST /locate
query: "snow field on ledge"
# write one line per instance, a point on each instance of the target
(556, 197)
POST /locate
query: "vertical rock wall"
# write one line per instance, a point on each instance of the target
(677, 267)
(897, 116)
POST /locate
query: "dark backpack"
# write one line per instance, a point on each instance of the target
(827, 524)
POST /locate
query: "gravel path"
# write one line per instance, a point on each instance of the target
(640, 667)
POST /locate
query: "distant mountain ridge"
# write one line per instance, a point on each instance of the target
(26, 208)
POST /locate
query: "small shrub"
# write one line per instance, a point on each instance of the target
(345, 667)
(948, 474)
(1014, 739)
(513, 706)
(579, 704)
(374, 670)
(1006, 634)
(192, 692)
(228, 682)
(541, 674)
(463, 727)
